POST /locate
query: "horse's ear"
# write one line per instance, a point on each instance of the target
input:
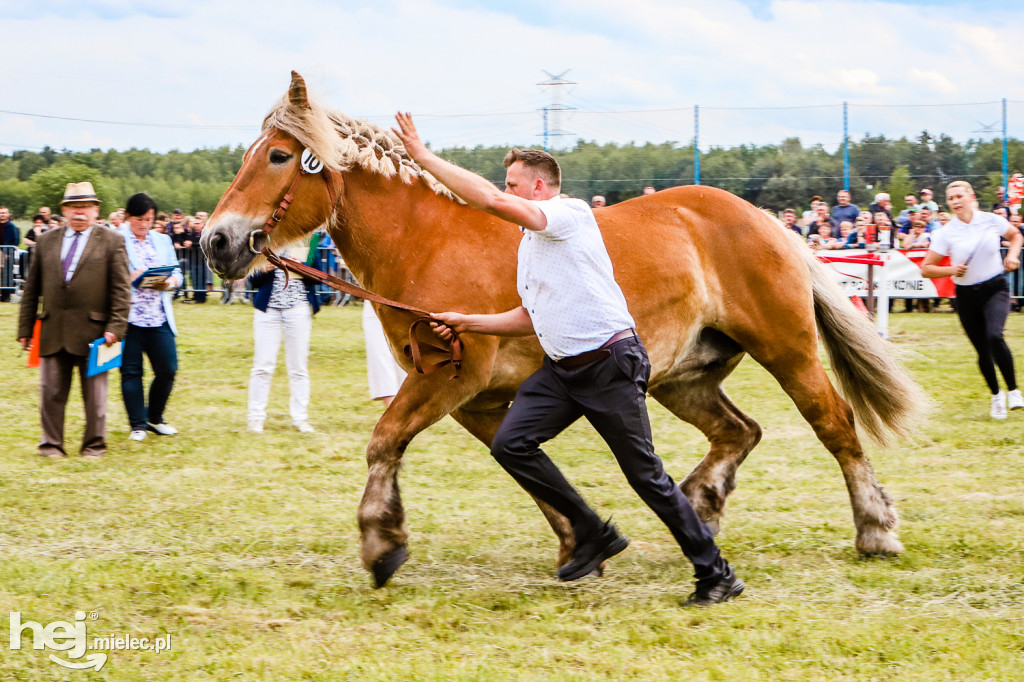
(297, 92)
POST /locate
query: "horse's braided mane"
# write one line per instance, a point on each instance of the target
(343, 143)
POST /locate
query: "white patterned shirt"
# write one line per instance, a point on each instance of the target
(284, 297)
(147, 305)
(566, 281)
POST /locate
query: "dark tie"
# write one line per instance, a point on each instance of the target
(71, 254)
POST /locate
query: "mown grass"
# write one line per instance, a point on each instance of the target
(245, 547)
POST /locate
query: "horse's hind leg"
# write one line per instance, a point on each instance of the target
(483, 424)
(699, 400)
(801, 375)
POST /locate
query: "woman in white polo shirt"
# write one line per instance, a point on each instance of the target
(971, 240)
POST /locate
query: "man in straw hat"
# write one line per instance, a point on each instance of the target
(81, 274)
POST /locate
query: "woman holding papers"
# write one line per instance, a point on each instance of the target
(971, 240)
(155, 273)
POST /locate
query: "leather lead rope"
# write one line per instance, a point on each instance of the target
(416, 347)
(310, 165)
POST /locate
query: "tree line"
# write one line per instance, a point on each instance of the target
(773, 176)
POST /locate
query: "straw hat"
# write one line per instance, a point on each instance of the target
(79, 192)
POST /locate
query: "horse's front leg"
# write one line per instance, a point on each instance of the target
(421, 401)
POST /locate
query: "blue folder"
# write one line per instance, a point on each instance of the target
(157, 274)
(103, 358)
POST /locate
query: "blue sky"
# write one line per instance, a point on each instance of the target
(201, 73)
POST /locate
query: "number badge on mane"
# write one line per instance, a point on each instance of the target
(310, 163)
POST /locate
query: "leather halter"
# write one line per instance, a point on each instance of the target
(414, 350)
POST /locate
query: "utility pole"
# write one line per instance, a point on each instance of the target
(1006, 156)
(696, 144)
(846, 149)
(552, 112)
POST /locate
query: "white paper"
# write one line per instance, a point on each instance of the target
(105, 353)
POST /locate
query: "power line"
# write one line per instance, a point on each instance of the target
(130, 123)
(714, 178)
(20, 146)
(498, 114)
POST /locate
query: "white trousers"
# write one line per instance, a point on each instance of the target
(383, 374)
(295, 324)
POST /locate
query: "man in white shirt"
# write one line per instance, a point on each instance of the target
(595, 366)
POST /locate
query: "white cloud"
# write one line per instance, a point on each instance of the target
(860, 80)
(933, 81)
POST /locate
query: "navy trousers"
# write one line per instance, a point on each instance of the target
(610, 393)
(158, 345)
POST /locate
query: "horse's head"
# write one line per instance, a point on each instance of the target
(293, 130)
(277, 164)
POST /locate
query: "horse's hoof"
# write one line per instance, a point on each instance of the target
(715, 526)
(387, 564)
(878, 543)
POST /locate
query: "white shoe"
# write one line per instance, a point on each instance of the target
(305, 427)
(163, 428)
(256, 425)
(137, 434)
(999, 405)
(1016, 400)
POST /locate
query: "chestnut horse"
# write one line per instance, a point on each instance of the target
(699, 309)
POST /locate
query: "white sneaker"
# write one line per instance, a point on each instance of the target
(305, 427)
(999, 405)
(163, 428)
(256, 425)
(137, 434)
(1016, 399)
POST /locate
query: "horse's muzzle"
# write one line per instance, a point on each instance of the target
(228, 257)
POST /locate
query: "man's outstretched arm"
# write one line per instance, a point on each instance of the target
(515, 322)
(476, 191)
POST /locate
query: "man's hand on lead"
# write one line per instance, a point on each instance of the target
(444, 324)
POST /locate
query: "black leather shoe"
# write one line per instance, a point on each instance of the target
(725, 589)
(588, 556)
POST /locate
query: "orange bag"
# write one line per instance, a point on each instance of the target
(33, 351)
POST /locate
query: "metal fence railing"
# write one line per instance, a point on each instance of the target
(9, 272)
(1016, 281)
(200, 282)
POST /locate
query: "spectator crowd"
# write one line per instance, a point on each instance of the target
(845, 226)
(842, 225)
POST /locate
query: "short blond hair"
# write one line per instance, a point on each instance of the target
(962, 184)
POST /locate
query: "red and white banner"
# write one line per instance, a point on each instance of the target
(902, 274)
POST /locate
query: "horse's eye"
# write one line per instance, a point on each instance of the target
(279, 157)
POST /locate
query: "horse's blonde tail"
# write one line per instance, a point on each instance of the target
(884, 398)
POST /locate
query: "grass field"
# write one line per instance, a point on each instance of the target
(244, 548)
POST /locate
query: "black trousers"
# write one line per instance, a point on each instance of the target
(983, 309)
(610, 393)
(158, 345)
